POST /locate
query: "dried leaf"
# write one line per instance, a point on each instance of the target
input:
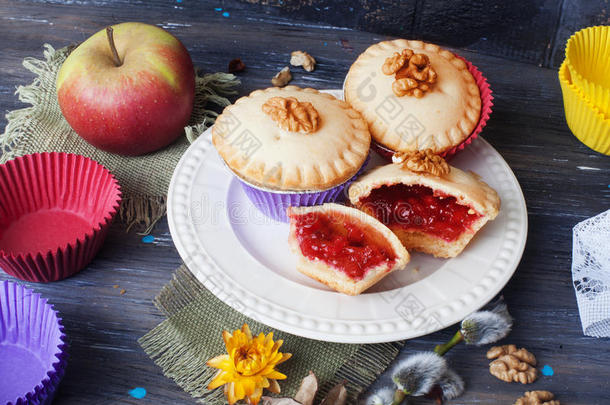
(336, 396)
(279, 401)
(307, 391)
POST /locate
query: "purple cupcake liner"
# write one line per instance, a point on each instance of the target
(274, 204)
(32, 347)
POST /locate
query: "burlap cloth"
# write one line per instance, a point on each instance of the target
(144, 179)
(191, 335)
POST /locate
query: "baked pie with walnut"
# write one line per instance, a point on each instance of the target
(414, 95)
(432, 207)
(343, 247)
(292, 139)
(291, 146)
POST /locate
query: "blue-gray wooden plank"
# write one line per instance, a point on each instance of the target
(563, 181)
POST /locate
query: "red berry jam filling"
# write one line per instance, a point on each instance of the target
(419, 208)
(351, 247)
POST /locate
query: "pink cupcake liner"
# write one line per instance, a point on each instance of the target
(32, 347)
(55, 212)
(274, 204)
(486, 104)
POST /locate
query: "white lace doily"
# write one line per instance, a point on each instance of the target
(591, 273)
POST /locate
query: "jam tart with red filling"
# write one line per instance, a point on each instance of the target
(432, 207)
(343, 247)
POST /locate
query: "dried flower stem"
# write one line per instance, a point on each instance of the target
(399, 396)
(444, 348)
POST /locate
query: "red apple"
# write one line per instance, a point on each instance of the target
(128, 89)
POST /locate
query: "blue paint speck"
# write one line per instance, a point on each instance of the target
(547, 370)
(138, 392)
(148, 239)
(226, 14)
(218, 9)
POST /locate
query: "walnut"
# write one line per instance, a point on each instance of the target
(512, 364)
(537, 398)
(282, 77)
(395, 62)
(236, 65)
(412, 73)
(301, 58)
(522, 354)
(292, 115)
(407, 86)
(422, 161)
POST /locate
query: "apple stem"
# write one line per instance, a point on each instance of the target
(115, 54)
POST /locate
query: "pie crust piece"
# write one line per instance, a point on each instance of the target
(258, 150)
(466, 187)
(443, 118)
(337, 279)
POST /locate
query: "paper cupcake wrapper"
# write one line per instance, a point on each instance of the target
(588, 62)
(30, 330)
(486, 105)
(274, 204)
(56, 209)
(585, 120)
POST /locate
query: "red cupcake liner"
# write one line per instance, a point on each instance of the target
(486, 104)
(55, 212)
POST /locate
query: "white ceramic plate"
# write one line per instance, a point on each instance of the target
(244, 259)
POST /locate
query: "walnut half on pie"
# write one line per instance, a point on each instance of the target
(343, 247)
(438, 215)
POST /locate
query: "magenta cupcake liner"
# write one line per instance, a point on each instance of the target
(486, 105)
(274, 204)
(33, 355)
(55, 212)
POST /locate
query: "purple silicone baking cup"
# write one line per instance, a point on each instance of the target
(32, 347)
(274, 204)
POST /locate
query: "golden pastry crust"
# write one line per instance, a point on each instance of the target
(466, 187)
(337, 280)
(423, 242)
(443, 118)
(262, 153)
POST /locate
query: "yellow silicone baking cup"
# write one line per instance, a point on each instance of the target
(585, 120)
(588, 62)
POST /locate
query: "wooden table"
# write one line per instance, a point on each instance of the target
(563, 181)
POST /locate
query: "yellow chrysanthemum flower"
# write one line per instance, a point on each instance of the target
(249, 366)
